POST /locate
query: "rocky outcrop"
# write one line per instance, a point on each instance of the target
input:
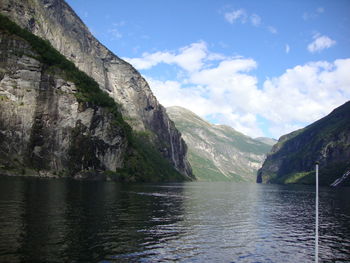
(55, 21)
(327, 141)
(43, 128)
(218, 152)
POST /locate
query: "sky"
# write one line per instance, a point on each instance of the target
(265, 68)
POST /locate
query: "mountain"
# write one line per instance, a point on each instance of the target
(268, 141)
(56, 121)
(292, 159)
(55, 21)
(218, 152)
(125, 93)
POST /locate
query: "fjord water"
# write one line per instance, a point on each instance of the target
(45, 220)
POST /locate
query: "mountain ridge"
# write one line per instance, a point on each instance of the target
(218, 152)
(327, 141)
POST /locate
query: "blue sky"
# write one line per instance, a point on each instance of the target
(263, 67)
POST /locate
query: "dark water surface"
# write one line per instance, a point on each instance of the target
(69, 221)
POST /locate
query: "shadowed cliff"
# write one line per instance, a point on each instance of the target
(327, 141)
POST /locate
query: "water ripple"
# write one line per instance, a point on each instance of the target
(68, 221)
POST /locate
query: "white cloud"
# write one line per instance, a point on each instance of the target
(114, 31)
(242, 16)
(314, 14)
(189, 57)
(320, 43)
(205, 101)
(236, 15)
(223, 70)
(272, 29)
(149, 60)
(229, 92)
(255, 20)
(305, 93)
(287, 48)
(172, 93)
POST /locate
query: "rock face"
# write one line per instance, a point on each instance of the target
(326, 141)
(43, 129)
(56, 22)
(218, 152)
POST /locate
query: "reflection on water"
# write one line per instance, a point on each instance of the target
(69, 221)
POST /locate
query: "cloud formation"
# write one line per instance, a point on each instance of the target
(287, 49)
(320, 43)
(242, 16)
(236, 15)
(225, 89)
(190, 58)
(314, 14)
(114, 31)
(272, 29)
(255, 20)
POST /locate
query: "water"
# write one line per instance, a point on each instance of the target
(69, 221)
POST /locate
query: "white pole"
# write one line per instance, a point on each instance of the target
(316, 235)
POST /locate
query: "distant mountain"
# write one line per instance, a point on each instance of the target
(268, 141)
(327, 141)
(218, 152)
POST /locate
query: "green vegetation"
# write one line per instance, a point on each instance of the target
(242, 142)
(3, 98)
(295, 178)
(143, 162)
(14, 166)
(204, 169)
(327, 175)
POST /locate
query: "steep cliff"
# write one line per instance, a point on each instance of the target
(56, 22)
(326, 141)
(218, 152)
(55, 121)
(42, 125)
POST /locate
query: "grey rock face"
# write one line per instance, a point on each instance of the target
(55, 21)
(42, 126)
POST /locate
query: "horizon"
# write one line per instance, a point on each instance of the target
(265, 69)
